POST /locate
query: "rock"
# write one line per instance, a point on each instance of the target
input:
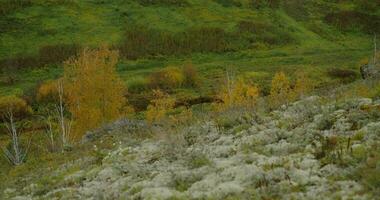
(369, 71)
(159, 193)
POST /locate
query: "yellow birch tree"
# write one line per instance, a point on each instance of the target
(94, 92)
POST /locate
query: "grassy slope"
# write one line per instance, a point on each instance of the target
(91, 23)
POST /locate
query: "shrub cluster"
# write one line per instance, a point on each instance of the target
(283, 92)
(353, 20)
(141, 41)
(48, 55)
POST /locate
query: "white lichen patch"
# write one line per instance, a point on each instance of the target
(305, 150)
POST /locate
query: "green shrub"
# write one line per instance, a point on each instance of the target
(198, 160)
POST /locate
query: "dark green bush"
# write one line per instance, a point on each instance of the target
(163, 2)
(9, 6)
(141, 41)
(19, 62)
(55, 54)
(345, 75)
(48, 55)
(229, 3)
(354, 21)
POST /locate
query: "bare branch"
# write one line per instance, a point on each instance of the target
(16, 157)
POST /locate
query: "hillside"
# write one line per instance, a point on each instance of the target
(189, 99)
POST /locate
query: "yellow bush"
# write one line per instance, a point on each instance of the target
(48, 91)
(16, 105)
(166, 79)
(303, 86)
(159, 107)
(280, 92)
(239, 94)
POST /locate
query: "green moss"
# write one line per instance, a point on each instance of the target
(199, 160)
(359, 135)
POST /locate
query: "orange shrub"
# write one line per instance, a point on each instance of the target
(190, 74)
(48, 91)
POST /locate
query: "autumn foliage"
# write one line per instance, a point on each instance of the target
(48, 91)
(191, 77)
(94, 92)
(280, 92)
(303, 85)
(239, 94)
(159, 107)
